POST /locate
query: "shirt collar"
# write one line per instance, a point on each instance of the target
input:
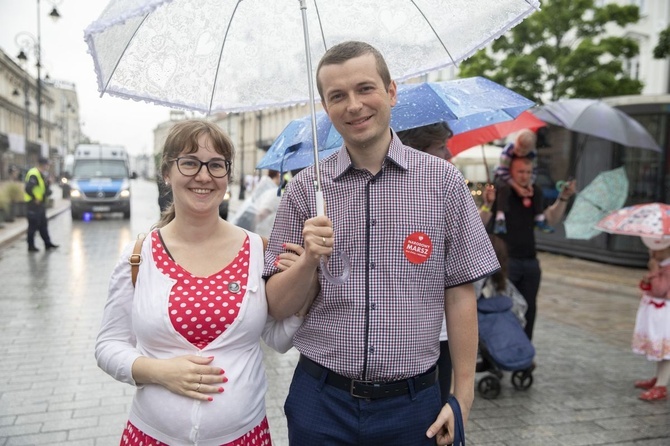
(397, 154)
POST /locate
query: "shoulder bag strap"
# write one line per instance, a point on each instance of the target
(135, 258)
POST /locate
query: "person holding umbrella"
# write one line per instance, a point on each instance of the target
(651, 336)
(524, 268)
(432, 139)
(406, 219)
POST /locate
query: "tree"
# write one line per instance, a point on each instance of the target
(562, 51)
(662, 49)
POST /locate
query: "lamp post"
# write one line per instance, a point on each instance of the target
(27, 42)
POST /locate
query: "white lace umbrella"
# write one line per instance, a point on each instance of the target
(236, 55)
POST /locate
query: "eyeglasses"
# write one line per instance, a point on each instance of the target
(189, 167)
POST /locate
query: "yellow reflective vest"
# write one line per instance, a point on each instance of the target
(38, 191)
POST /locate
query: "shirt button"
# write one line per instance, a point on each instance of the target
(372, 265)
(373, 306)
(373, 222)
(372, 349)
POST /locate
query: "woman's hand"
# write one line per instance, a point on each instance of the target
(289, 257)
(190, 375)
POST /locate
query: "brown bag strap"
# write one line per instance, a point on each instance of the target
(135, 258)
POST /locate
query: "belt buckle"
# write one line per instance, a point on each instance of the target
(352, 389)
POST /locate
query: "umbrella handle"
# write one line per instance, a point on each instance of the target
(320, 204)
(346, 268)
(346, 263)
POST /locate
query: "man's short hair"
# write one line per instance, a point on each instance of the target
(43, 161)
(351, 49)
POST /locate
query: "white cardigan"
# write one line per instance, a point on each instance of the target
(136, 323)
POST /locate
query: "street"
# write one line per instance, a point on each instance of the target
(52, 392)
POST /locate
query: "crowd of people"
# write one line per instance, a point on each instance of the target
(386, 357)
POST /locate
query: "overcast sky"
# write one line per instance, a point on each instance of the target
(64, 57)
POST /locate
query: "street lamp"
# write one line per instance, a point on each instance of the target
(27, 42)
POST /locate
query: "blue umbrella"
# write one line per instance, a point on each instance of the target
(465, 104)
(292, 149)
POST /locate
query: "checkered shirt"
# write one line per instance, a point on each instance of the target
(383, 324)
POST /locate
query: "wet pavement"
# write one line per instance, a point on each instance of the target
(51, 391)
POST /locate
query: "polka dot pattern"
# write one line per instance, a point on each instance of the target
(202, 308)
(258, 436)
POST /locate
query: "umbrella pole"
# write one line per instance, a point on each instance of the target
(572, 167)
(486, 165)
(320, 208)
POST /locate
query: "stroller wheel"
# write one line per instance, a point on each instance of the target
(489, 387)
(522, 379)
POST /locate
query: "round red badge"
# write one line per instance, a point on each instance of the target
(527, 202)
(417, 247)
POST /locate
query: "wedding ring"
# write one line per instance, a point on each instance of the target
(200, 382)
(323, 239)
(197, 389)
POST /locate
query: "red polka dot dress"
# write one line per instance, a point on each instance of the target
(201, 309)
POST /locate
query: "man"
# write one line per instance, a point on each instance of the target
(36, 193)
(523, 267)
(407, 221)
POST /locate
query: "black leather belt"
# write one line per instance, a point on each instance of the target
(369, 389)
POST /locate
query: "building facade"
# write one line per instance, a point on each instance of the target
(26, 134)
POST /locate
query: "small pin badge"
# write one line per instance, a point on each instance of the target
(234, 287)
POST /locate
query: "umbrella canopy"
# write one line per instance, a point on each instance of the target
(462, 141)
(215, 55)
(293, 148)
(607, 192)
(645, 220)
(596, 118)
(462, 103)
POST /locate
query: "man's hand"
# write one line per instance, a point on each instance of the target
(318, 236)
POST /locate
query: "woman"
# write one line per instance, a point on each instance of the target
(187, 335)
(432, 139)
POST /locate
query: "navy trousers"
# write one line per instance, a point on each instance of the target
(37, 222)
(320, 414)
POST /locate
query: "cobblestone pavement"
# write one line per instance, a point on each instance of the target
(52, 393)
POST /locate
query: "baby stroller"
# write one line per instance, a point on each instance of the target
(503, 345)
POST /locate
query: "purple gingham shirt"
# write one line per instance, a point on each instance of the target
(383, 324)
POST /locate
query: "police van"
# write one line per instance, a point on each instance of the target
(100, 180)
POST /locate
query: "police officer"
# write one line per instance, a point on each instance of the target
(36, 193)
